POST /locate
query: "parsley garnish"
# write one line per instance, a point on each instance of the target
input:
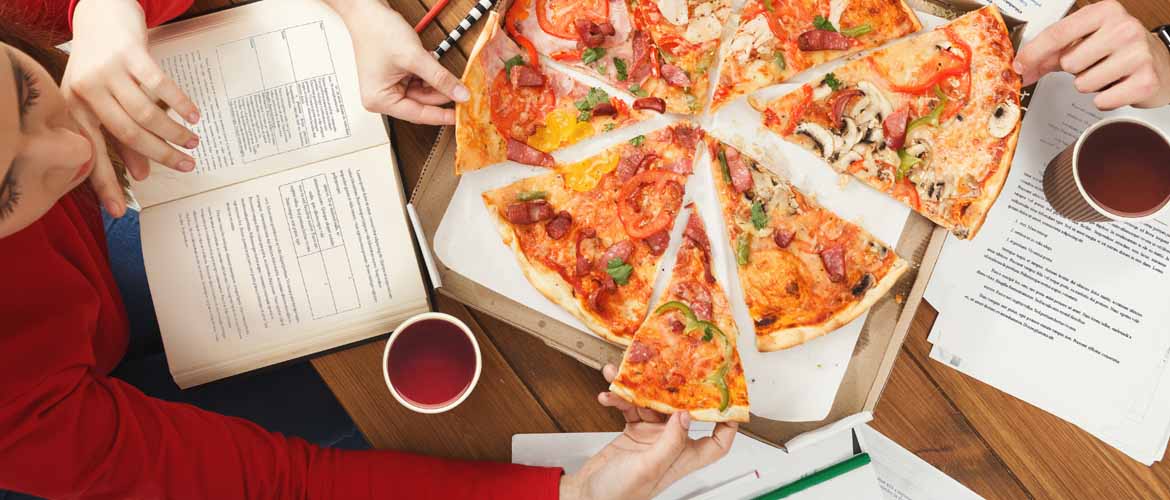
(620, 65)
(619, 271)
(759, 216)
(638, 90)
(832, 81)
(638, 140)
(823, 24)
(602, 67)
(592, 54)
(856, 31)
(609, 126)
(585, 105)
(515, 60)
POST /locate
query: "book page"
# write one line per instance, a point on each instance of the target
(1068, 316)
(281, 267)
(276, 85)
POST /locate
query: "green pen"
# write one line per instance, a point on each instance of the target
(816, 478)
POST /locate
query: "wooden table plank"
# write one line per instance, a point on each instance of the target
(481, 428)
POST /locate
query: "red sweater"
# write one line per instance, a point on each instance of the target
(67, 429)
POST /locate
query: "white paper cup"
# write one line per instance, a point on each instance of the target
(466, 391)
(1066, 193)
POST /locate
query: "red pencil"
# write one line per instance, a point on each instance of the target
(430, 16)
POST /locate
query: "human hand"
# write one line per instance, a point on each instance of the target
(652, 453)
(112, 81)
(397, 76)
(1108, 50)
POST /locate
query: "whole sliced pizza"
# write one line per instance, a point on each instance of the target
(777, 39)
(684, 356)
(662, 51)
(589, 236)
(804, 270)
(521, 111)
(932, 120)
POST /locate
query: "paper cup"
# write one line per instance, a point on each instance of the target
(1066, 193)
(407, 402)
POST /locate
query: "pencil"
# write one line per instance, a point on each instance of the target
(430, 15)
(816, 478)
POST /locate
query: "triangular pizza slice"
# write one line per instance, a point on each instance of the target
(589, 236)
(662, 51)
(932, 120)
(804, 271)
(520, 110)
(776, 39)
(684, 356)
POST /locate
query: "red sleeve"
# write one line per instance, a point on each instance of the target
(67, 430)
(157, 11)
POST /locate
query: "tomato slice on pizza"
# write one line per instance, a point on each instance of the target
(805, 271)
(589, 236)
(776, 39)
(684, 356)
(522, 111)
(932, 121)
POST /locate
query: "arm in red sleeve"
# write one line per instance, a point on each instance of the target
(67, 430)
(157, 11)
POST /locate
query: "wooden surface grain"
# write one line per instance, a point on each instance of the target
(997, 445)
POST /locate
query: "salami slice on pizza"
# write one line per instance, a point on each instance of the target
(590, 235)
(804, 271)
(684, 356)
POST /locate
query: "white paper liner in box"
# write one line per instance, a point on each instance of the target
(793, 385)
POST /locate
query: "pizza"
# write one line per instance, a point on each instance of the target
(662, 51)
(932, 120)
(522, 111)
(589, 236)
(776, 39)
(804, 271)
(684, 356)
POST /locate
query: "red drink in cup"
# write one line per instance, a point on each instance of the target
(431, 363)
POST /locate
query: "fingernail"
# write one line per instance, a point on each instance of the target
(1018, 68)
(112, 208)
(187, 165)
(685, 419)
(461, 93)
(192, 143)
(193, 117)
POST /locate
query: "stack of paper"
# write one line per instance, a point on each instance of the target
(753, 468)
(1073, 318)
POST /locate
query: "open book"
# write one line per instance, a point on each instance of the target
(291, 236)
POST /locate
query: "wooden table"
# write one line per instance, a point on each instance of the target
(993, 443)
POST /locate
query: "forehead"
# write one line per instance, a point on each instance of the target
(9, 109)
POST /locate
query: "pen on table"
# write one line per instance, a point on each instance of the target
(816, 478)
(477, 11)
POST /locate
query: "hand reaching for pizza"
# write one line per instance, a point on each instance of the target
(397, 76)
(1108, 50)
(652, 453)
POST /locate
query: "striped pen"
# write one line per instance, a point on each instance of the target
(477, 11)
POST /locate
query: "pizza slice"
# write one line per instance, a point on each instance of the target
(684, 356)
(805, 271)
(776, 39)
(522, 111)
(662, 51)
(589, 236)
(932, 120)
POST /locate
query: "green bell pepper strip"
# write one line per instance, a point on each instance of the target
(719, 377)
(531, 195)
(723, 165)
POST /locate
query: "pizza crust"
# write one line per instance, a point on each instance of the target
(734, 413)
(477, 143)
(790, 337)
(549, 283)
(995, 184)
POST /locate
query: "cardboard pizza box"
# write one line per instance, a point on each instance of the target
(873, 357)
